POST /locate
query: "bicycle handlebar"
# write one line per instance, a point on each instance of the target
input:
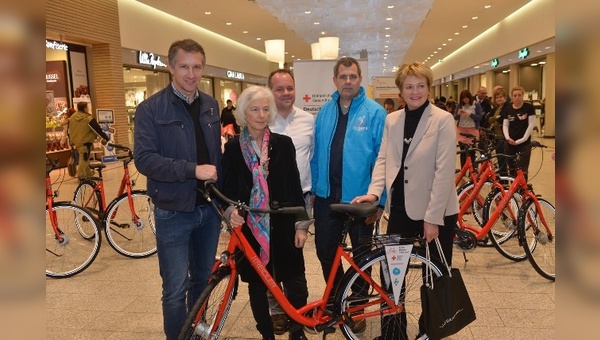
(129, 155)
(211, 186)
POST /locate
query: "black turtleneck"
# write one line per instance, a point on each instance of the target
(410, 126)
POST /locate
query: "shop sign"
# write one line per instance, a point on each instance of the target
(495, 62)
(53, 45)
(148, 58)
(235, 74)
(523, 53)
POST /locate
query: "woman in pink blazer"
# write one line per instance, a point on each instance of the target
(415, 165)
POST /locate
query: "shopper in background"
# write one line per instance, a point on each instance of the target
(178, 147)
(495, 122)
(401, 102)
(388, 105)
(228, 118)
(259, 167)
(486, 107)
(416, 166)
(519, 120)
(468, 114)
(83, 131)
(348, 132)
(299, 125)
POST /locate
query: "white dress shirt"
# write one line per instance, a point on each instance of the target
(300, 126)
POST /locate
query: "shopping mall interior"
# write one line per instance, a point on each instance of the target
(116, 56)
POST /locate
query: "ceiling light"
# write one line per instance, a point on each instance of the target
(542, 62)
(316, 22)
(286, 52)
(431, 55)
(207, 13)
(322, 32)
(387, 28)
(449, 39)
(534, 64)
(386, 46)
(474, 18)
(292, 56)
(487, 6)
(435, 52)
(258, 38)
(385, 54)
(444, 44)
(388, 19)
(228, 23)
(547, 47)
(439, 48)
(476, 66)
(390, 6)
(306, 12)
(385, 58)
(387, 35)
(505, 71)
(456, 33)
(465, 26)
(245, 32)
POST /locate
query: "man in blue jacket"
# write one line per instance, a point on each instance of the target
(178, 147)
(348, 132)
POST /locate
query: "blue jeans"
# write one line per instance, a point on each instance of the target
(328, 233)
(187, 244)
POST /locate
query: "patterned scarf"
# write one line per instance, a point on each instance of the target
(259, 195)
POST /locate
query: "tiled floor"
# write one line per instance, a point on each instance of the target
(119, 298)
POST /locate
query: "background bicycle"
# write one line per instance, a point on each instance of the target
(72, 237)
(128, 219)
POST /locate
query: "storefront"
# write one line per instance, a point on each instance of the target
(146, 72)
(66, 85)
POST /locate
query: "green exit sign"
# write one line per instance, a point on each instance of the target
(523, 53)
(495, 62)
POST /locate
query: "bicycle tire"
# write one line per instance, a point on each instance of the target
(536, 243)
(504, 232)
(213, 304)
(75, 253)
(373, 262)
(123, 234)
(86, 198)
(381, 224)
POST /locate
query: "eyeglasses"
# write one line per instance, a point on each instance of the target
(345, 77)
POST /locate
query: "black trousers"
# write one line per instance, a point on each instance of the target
(525, 151)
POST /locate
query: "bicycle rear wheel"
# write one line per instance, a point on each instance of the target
(504, 233)
(86, 198)
(350, 301)
(74, 253)
(537, 243)
(128, 236)
(207, 317)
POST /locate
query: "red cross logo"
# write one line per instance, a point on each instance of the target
(306, 98)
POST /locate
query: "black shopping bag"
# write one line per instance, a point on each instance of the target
(447, 307)
(445, 301)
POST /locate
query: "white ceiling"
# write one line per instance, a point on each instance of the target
(417, 27)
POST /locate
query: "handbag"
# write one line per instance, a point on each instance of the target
(445, 301)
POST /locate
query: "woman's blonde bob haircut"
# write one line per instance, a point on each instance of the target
(415, 69)
(250, 94)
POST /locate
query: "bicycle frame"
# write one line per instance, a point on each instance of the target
(50, 204)
(319, 316)
(486, 173)
(125, 186)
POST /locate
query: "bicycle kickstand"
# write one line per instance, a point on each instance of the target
(328, 331)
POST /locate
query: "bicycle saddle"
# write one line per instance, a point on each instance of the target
(97, 165)
(358, 210)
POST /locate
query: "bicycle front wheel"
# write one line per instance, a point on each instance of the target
(207, 317)
(69, 252)
(130, 228)
(86, 198)
(537, 227)
(504, 233)
(357, 298)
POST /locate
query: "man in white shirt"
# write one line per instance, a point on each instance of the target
(300, 126)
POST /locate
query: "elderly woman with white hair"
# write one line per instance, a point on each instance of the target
(259, 167)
